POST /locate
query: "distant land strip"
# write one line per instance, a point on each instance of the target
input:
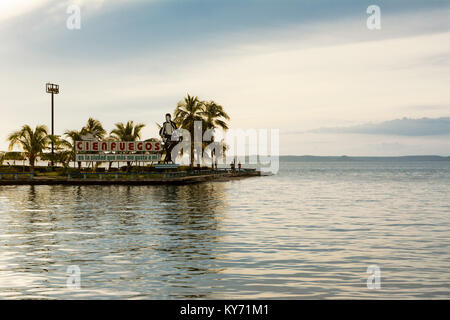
(348, 158)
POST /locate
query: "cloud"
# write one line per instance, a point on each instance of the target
(10, 9)
(400, 127)
(115, 30)
(284, 64)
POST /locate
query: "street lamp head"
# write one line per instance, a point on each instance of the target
(52, 88)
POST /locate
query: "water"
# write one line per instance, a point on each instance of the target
(309, 232)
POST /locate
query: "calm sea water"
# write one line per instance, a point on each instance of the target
(309, 232)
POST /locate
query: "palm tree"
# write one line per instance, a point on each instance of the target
(95, 128)
(2, 157)
(160, 152)
(64, 151)
(14, 156)
(215, 117)
(225, 148)
(32, 142)
(186, 113)
(74, 136)
(127, 132)
(110, 138)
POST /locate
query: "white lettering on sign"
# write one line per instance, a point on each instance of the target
(118, 157)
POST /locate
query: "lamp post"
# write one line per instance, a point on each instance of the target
(53, 89)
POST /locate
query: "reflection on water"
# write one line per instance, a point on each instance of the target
(151, 241)
(309, 232)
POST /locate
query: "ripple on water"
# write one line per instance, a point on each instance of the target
(309, 232)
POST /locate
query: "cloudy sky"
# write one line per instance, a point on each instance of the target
(309, 68)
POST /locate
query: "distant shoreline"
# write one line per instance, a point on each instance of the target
(357, 158)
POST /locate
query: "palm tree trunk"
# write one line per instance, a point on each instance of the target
(192, 149)
(31, 160)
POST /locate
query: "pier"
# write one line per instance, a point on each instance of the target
(117, 178)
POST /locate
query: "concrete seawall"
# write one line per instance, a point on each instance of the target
(130, 182)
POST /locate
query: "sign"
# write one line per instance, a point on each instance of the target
(89, 137)
(118, 157)
(118, 146)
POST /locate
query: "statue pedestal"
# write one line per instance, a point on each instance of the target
(166, 166)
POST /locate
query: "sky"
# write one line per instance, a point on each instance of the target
(311, 69)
